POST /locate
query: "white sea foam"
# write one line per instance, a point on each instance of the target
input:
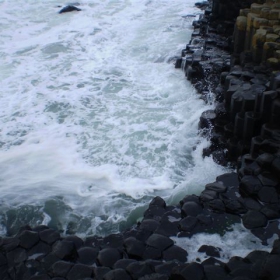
(238, 242)
(94, 120)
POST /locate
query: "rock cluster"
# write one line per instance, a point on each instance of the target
(246, 90)
(145, 251)
(242, 73)
(257, 33)
(244, 127)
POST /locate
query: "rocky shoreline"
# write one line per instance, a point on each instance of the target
(244, 128)
(236, 60)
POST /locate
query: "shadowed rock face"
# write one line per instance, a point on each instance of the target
(68, 8)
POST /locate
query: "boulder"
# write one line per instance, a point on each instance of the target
(68, 8)
(214, 272)
(113, 241)
(65, 250)
(39, 251)
(154, 276)
(80, 271)
(175, 253)
(160, 242)
(149, 224)
(276, 247)
(49, 236)
(158, 201)
(16, 256)
(250, 185)
(210, 250)
(188, 223)
(123, 263)
(78, 242)
(192, 271)
(99, 272)
(270, 269)
(28, 239)
(191, 208)
(134, 247)
(61, 268)
(254, 219)
(87, 255)
(108, 256)
(117, 274)
(139, 269)
(151, 253)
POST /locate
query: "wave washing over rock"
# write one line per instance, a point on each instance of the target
(196, 238)
(95, 121)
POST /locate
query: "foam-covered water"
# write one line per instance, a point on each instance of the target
(95, 120)
(238, 242)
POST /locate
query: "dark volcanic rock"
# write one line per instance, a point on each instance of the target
(134, 247)
(188, 198)
(188, 223)
(154, 276)
(149, 224)
(166, 268)
(159, 241)
(108, 257)
(139, 269)
(49, 236)
(80, 271)
(210, 251)
(49, 260)
(40, 250)
(78, 242)
(175, 253)
(191, 208)
(276, 247)
(154, 212)
(68, 8)
(9, 243)
(99, 272)
(65, 250)
(123, 263)
(214, 272)
(237, 263)
(256, 256)
(254, 219)
(158, 201)
(113, 241)
(117, 274)
(250, 185)
(40, 277)
(152, 253)
(16, 256)
(193, 271)
(271, 268)
(61, 268)
(87, 255)
(168, 225)
(28, 239)
(216, 187)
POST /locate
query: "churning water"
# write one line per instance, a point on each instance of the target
(95, 120)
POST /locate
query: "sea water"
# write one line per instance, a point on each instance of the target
(95, 119)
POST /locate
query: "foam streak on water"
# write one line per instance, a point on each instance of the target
(94, 118)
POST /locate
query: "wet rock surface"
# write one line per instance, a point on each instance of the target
(141, 252)
(244, 130)
(69, 8)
